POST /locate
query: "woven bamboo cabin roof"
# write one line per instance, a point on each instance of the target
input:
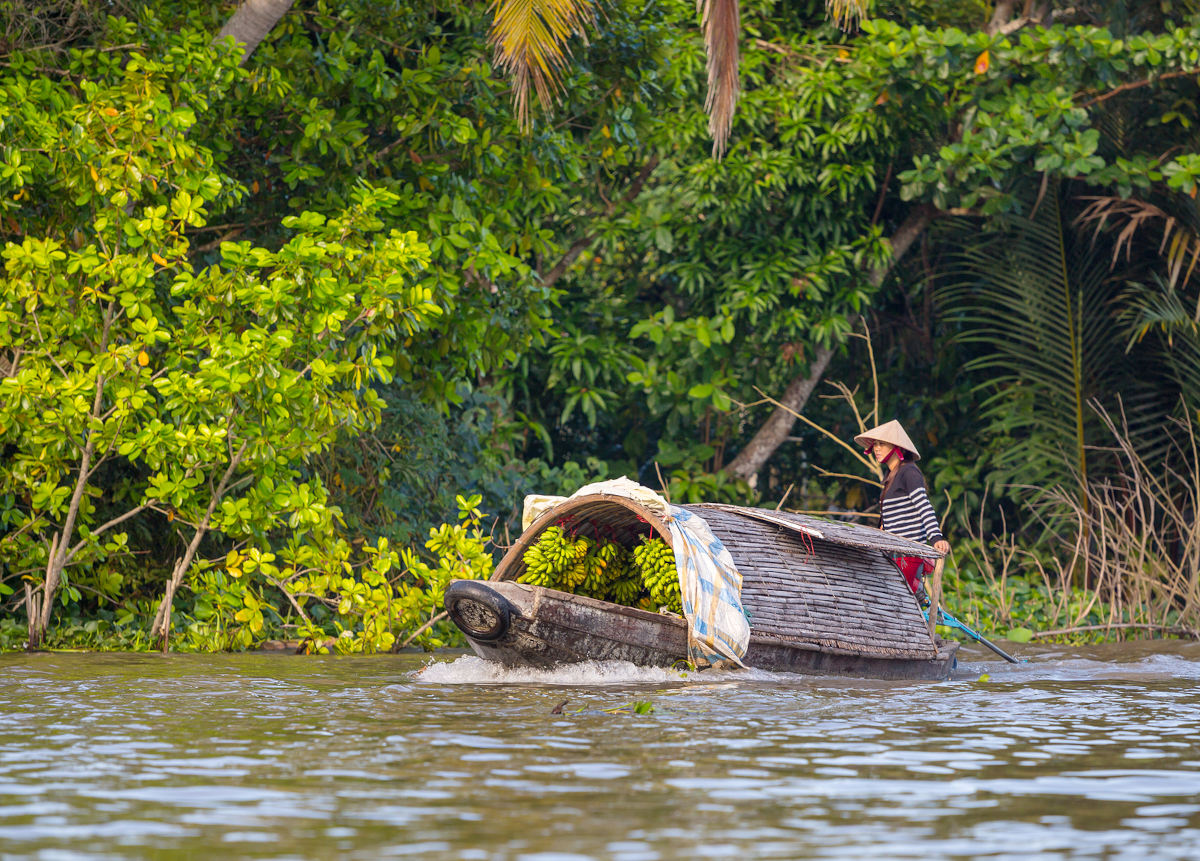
(805, 581)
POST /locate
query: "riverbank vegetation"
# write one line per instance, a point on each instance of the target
(286, 335)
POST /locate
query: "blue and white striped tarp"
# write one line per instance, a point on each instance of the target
(712, 591)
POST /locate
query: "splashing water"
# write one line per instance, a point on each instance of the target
(471, 670)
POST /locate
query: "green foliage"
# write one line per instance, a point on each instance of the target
(1026, 102)
(686, 488)
(140, 382)
(398, 479)
(722, 276)
(725, 276)
(91, 631)
(1002, 594)
(390, 591)
(409, 101)
(294, 308)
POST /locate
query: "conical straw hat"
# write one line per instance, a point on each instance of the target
(889, 432)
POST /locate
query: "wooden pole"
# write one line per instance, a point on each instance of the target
(935, 594)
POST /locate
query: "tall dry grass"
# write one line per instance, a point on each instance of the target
(1136, 532)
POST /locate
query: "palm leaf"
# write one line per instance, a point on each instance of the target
(531, 42)
(1179, 242)
(1038, 306)
(1161, 310)
(846, 13)
(530, 38)
(719, 19)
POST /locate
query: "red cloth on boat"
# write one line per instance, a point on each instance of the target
(913, 568)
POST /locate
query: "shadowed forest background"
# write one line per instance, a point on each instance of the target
(283, 343)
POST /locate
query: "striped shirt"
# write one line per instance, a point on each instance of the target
(905, 506)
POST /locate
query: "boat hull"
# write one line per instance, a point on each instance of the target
(517, 624)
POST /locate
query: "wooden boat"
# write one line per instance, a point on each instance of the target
(821, 597)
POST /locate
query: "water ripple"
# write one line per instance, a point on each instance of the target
(1076, 754)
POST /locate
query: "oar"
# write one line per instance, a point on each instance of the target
(935, 595)
(946, 619)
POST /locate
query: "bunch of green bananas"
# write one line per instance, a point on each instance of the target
(548, 558)
(581, 565)
(604, 564)
(626, 590)
(655, 559)
(604, 569)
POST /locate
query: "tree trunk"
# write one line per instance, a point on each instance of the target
(252, 22)
(60, 544)
(161, 626)
(776, 429)
(39, 617)
(33, 614)
(1002, 13)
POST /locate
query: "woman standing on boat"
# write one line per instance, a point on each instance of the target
(904, 503)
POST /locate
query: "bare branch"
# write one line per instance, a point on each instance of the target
(1133, 85)
(100, 530)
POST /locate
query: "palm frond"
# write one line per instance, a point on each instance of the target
(1160, 309)
(530, 38)
(721, 22)
(846, 13)
(531, 43)
(1037, 304)
(1179, 243)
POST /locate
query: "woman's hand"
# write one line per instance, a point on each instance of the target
(942, 546)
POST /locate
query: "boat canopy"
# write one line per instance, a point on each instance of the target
(805, 581)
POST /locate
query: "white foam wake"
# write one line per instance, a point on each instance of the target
(472, 670)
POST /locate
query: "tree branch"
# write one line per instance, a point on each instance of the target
(421, 630)
(57, 559)
(1001, 15)
(1133, 85)
(635, 188)
(771, 435)
(751, 459)
(162, 619)
(100, 530)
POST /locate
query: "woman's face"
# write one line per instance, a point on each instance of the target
(881, 450)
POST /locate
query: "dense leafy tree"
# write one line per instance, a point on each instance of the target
(137, 381)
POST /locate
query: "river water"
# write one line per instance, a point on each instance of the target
(1075, 754)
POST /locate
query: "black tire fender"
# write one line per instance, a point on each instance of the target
(487, 599)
